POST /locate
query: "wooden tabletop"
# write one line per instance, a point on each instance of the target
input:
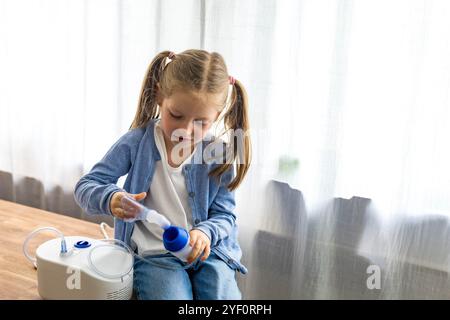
(17, 274)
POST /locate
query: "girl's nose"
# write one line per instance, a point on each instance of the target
(189, 127)
(186, 130)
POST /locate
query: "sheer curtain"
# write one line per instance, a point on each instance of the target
(348, 193)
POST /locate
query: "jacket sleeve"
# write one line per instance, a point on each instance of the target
(94, 190)
(221, 219)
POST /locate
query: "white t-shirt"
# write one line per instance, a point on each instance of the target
(167, 195)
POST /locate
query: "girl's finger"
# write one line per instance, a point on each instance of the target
(130, 204)
(206, 253)
(130, 210)
(139, 196)
(118, 212)
(192, 240)
(123, 214)
(196, 250)
(118, 201)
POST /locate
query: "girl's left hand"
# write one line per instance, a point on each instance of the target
(199, 242)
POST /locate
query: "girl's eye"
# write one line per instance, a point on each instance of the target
(174, 116)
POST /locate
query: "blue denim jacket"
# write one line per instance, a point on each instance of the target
(135, 154)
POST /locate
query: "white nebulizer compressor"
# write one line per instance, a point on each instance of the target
(90, 269)
(77, 267)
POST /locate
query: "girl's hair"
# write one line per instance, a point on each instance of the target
(203, 72)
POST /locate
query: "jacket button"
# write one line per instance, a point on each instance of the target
(197, 221)
(191, 194)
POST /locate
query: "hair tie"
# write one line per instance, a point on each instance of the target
(169, 59)
(232, 80)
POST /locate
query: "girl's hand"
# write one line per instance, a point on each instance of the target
(116, 204)
(199, 242)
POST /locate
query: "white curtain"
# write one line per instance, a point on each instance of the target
(348, 194)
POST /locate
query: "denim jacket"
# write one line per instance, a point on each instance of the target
(135, 154)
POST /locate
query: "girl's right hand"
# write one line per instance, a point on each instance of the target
(116, 204)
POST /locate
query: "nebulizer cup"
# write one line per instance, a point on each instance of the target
(140, 212)
(175, 239)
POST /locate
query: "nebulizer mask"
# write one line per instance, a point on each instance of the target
(76, 267)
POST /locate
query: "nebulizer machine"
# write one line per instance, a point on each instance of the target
(77, 267)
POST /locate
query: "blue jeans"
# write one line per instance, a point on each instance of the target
(211, 279)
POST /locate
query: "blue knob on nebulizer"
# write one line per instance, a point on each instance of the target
(175, 239)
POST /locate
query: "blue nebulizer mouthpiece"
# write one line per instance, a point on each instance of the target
(175, 239)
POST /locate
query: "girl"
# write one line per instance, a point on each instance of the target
(172, 169)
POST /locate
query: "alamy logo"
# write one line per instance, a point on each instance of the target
(215, 152)
(374, 280)
(74, 280)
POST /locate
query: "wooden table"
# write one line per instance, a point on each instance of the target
(17, 274)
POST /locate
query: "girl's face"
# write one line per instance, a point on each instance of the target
(186, 116)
